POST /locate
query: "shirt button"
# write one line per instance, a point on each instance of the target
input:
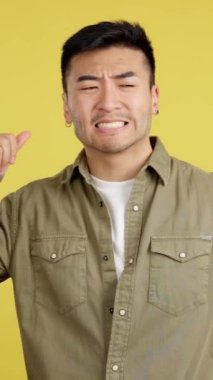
(53, 256)
(122, 312)
(135, 208)
(111, 310)
(115, 367)
(131, 261)
(182, 255)
(106, 258)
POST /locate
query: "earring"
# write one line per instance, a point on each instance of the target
(156, 112)
(68, 125)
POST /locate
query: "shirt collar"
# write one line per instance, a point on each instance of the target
(159, 160)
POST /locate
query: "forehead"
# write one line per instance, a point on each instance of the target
(113, 60)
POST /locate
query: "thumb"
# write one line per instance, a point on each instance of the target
(21, 138)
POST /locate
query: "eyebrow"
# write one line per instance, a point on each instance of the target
(127, 74)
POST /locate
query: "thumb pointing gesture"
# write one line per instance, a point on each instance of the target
(22, 138)
(9, 146)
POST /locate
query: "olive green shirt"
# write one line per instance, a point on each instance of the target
(77, 321)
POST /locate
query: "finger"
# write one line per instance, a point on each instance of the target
(22, 138)
(9, 145)
(3, 170)
(13, 148)
(5, 151)
(1, 157)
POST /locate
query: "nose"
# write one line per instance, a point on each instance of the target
(108, 99)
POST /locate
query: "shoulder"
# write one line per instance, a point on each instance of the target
(189, 174)
(44, 187)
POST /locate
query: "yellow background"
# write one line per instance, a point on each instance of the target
(31, 36)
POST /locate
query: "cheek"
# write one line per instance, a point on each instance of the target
(141, 101)
(81, 109)
(145, 106)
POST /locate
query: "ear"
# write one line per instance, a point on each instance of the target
(67, 112)
(155, 99)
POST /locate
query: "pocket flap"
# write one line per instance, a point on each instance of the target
(181, 248)
(55, 248)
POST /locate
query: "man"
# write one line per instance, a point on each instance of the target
(111, 259)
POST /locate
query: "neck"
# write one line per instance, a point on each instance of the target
(118, 166)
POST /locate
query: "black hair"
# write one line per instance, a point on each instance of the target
(106, 34)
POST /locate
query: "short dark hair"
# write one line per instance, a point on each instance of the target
(106, 34)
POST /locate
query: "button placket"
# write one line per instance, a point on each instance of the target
(135, 208)
(115, 367)
(105, 257)
(121, 321)
(122, 312)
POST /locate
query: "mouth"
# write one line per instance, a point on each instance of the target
(111, 124)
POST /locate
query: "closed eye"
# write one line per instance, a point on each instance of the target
(88, 88)
(127, 85)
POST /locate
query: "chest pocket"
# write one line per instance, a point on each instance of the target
(179, 273)
(59, 265)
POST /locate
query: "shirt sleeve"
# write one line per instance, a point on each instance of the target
(6, 235)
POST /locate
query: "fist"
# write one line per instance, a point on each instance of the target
(9, 146)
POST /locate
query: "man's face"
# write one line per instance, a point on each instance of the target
(109, 99)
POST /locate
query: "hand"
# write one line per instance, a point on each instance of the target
(9, 146)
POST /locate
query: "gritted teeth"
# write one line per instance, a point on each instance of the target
(111, 124)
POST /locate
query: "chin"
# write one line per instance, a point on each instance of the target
(112, 149)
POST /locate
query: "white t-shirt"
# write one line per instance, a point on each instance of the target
(116, 196)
